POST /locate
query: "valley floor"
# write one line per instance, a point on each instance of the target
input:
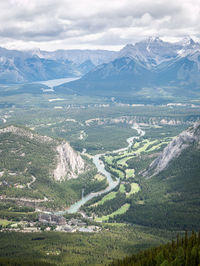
(115, 241)
(137, 214)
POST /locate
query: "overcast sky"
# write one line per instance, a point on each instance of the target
(94, 24)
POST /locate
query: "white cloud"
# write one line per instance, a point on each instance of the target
(50, 24)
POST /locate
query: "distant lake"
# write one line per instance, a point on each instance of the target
(56, 82)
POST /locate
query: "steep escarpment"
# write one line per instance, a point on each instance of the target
(69, 163)
(170, 198)
(146, 120)
(174, 149)
(31, 165)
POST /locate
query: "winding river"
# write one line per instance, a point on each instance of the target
(96, 159)
(111, 185)
(101, 169)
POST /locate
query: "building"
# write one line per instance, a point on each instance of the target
(51, 219)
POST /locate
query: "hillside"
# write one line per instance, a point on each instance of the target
(185, 251)
(187, 138)
(37, 170)
(170, 198)
(123, 75)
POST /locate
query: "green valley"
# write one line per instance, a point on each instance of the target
(100, 133)
(128, 138)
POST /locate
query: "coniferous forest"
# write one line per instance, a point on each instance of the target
(100, 133)
(182, 252)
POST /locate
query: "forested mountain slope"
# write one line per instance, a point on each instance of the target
(39, 170)
(149, 71)
(183, 251)
(170, 198)
(186, 139)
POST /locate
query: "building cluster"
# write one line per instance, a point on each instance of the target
(71, 225)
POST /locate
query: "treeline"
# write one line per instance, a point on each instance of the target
(139, 163)
(96, 199)
(115, 166)
(12, 212)
(18, 216)
(15, 208)
(182, 252)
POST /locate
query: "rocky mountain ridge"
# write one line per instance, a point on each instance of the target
(69, 162)
(154, 51)
(34, 65)
(149, 71)
(174, 149)
(96, 57)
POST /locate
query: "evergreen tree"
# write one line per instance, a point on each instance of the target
(184, 252)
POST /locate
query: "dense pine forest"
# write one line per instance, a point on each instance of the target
(182, 252)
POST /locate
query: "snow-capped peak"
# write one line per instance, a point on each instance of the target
(186, 41)
(188, 46)
(37, 52)
(153, 39)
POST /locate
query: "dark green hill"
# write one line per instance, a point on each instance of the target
(127, 78)
(171, 198)
(183, 252)
(123, 75)
(37, 170)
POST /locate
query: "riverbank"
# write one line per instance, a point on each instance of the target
(101, 169)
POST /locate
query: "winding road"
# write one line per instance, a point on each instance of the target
(30, 183)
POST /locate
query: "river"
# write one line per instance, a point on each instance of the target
(130, 140)
(101, 169)
(96, 159)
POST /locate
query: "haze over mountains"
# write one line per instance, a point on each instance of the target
(35, 65)
(159, 61)
(151, 67)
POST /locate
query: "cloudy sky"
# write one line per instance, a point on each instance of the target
(94, 24)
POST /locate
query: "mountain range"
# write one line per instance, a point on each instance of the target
(148, 69)
(149, 53)
(151, 70)
(36, 65)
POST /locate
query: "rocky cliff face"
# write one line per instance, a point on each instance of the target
(142, 120)
(174, 149)
(69, 163)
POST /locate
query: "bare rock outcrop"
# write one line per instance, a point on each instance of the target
(174, 149)
(69, 163)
